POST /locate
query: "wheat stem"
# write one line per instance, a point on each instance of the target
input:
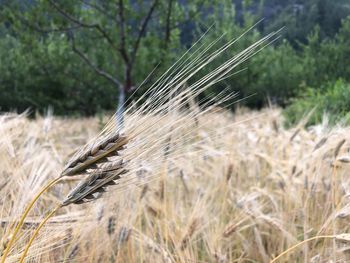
(299, 244)
(23, 217)
(36, 232)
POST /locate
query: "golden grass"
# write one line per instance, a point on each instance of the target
(157, 131)
(242, 189)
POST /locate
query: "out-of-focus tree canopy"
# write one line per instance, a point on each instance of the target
(79, 56)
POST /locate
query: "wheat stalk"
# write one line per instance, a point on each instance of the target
(90, 159)
(86, 190)
(341, 237)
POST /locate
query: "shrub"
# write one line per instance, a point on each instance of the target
(332, 99)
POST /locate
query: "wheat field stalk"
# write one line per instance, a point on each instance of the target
(245, 192)
(179, 182)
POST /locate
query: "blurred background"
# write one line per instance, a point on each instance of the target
(81, 57)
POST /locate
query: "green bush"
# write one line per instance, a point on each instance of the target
(48, 74)
(332, 100)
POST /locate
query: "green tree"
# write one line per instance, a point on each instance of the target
(112, 38)
(300, 17)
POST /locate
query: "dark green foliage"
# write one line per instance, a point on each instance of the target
(332, 100)
(39, 67)
(300, 17)
(49, 74)
(327, 78)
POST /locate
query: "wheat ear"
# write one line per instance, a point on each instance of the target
(94, 153)
(95, 183)
(87, 158)
(97, 152)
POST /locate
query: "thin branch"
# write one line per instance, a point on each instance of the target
(99, 8)
(32, 222)
(142, 30)
(168, 20)
(93, 66)
(122, 47)
(37, 28)
(82, 24)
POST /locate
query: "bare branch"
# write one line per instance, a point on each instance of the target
(122, 47)
(82, 24)
(99, 8)
(37, 28)
(32, 222)
(142, 30)
(168, 20)
(93, 66)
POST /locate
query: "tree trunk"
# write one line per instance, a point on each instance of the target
(121, 108)
(123, 90)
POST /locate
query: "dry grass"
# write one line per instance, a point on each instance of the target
(191, 184)
(241, 188)
(157, 126)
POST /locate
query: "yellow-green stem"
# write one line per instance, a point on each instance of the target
(36, 232)
(23, 217)
(299, 244)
